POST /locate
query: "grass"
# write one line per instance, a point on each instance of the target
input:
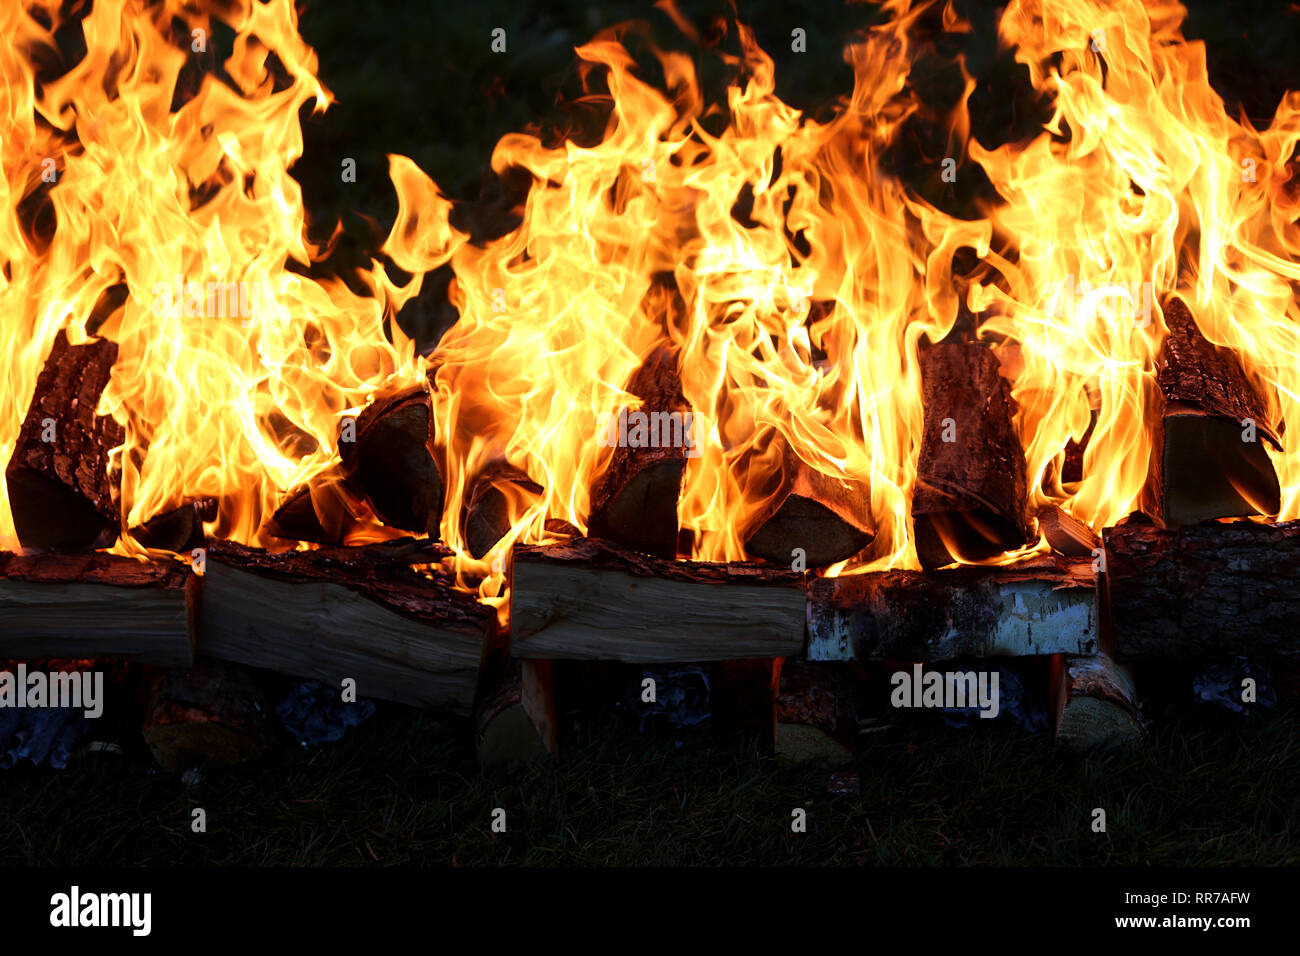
(404, 789)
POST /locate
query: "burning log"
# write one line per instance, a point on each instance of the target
(1066, 534)
(487, 516)
(1093, 703)
(1204, 590)
(515, 716)
(634, 503)
(816, 719)
(179, 530)
(96, 605)
(1045, 605)
(588, 599)
(57, 478)
(363, 613)
(1209, 459)
(828, 518)
(212, 714)
(322, 511)
(969, 500)
(390, 462)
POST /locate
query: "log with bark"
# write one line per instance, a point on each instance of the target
(390, 463)
(1094, 703)
(180, 529)
(96, 605)
(367, 613)
(211, 714)
(828, 518)
(323, 511)
(1209, 458)
(589, 599)
(816, 713)
(1208, 590)
(969, 500)
(58, 481)
(515, 718)
(498, 491)
(634, 502)
(1044, 605)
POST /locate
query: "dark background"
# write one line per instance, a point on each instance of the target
(420, 79)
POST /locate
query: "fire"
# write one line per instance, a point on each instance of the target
(802, 317)
(795, 278)
(233, 366)
(1141, 186)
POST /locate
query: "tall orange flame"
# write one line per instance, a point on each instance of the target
(792, 273)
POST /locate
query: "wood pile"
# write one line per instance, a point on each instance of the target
(389, 617)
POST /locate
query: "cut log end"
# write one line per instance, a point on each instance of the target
(1209, 471)
(826, 518)
(325, 511)
(1095, 707)
(497, 494)
(815, 714)
(801, 743)
(210, 715)
(391, 465)
(179, 529)
(642, 512)
(1209, 459)
(516, 720)
(1066, 534)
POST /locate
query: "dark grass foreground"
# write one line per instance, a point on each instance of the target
(401, 789)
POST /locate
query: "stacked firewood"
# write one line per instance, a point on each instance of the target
(388, 619)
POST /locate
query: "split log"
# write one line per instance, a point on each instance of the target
(323, 511)
(1072, 466)
(969, 500)
(634, 502)
(363, 613)
(588, 599)
(96, 605)
(816, 718)
(1204, 591)
(1066, 534)
(57, 478)
(211, 714)
(828, 518)
(391, 463)
(1044, 605)
(515, 716)
(1207, 462)
(1093, 700)
(179, 530)
(498, 491)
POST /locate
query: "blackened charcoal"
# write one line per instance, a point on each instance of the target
(1222, 685)
(42, 735)
(314, 713)
(1014, 702)
(681, 696)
